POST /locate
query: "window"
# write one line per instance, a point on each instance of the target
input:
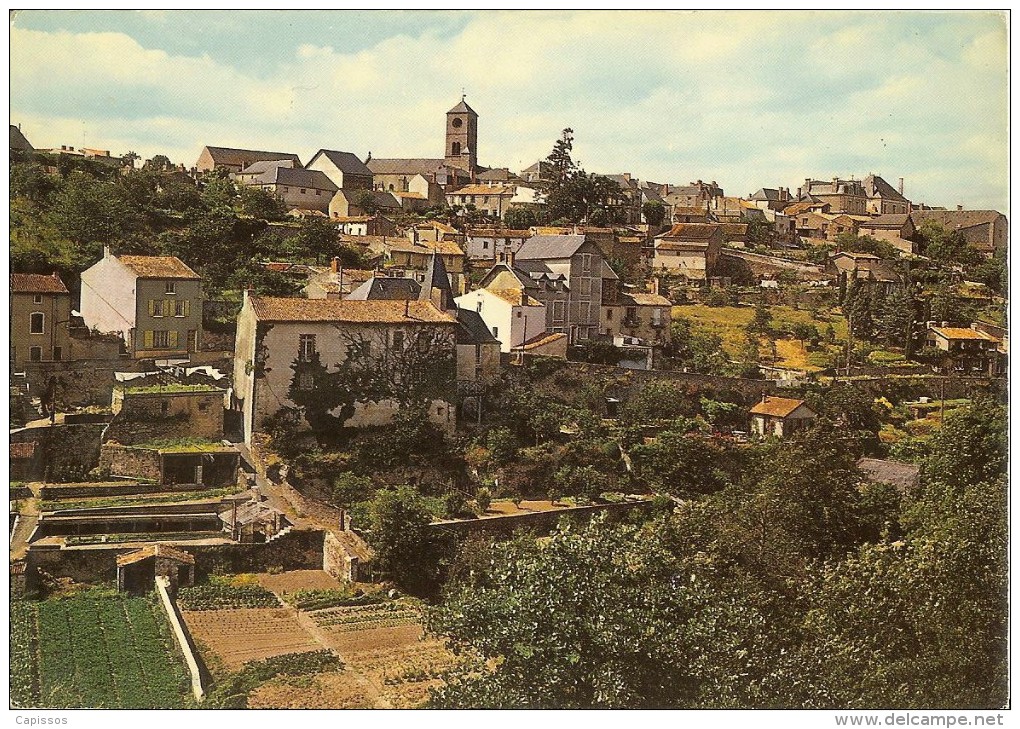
(181, 307)
(306, 347)
(286, 189)
(656, 317)
(585, 286)
(609, 314)
(304, 191)
(35, 354)
(586, 263)
(455, 147)
(632, 314)
(485, 247)
(164, 406)
(318, 192)
(37, 323)
(161, 339)
(156, 307)
(478, 306)
(559, 310)
(37, 299)
(193, 340)
(171, 287)
(495, 332)
(58, 354)
(518, 313)
(306, 381)
(398, 339)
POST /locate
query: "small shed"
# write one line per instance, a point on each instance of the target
(137, 570)
(780, 416)
(252, 521)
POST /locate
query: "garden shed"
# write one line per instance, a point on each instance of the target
(137, 570)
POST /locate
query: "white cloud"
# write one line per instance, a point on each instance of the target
(749, 99)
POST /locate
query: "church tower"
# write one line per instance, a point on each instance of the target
(462, 137)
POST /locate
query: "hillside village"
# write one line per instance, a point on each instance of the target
(304, 402)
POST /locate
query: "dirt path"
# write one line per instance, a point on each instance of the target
(22, 531)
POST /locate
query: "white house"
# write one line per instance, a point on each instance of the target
(511, 315)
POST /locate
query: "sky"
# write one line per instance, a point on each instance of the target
(748, 99)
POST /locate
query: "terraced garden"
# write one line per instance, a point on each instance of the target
(95, 650)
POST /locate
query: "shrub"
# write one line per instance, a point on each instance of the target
(483, 497)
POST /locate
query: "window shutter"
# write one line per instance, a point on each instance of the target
(187, 308)
(168, 307)
(173, 337)
(152, 309)
(148, 337)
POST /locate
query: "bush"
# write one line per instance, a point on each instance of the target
(483, 497)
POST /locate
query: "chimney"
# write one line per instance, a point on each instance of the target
(106, 251)
(800, 190)
(334, 265)
(510, 255)
(901, 186)
(959, 207)
(655, 285)
(407, 307)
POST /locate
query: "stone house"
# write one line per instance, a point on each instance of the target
(883, 198)
(843, 196)
(641, 315)
(248, 175)
(867, 267)
(566, 264)
(688, 249)
(298, 188)
(40, 319)
(343, 169)
(153, 302)
(403, 254)
(366, 225)
(354, 203)
(137, 571)
(492, 243)
(396, 175)
(780, 417)
(166, 411)
(234, 160)
(897, 229)
(987, 230)
(490, 199)
(282, 343)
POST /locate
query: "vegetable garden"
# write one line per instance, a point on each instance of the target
(95, 651)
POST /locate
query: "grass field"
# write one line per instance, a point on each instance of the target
(95, 652)
(729, 322)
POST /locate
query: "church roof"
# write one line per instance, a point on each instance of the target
(462, 108)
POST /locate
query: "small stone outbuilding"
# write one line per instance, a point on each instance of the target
(137, 571)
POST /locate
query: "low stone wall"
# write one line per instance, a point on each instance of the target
(774, 261)
(182, 637)
(69, 451)
(543, 521)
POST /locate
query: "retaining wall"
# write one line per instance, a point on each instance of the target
(182, 637)
(543, 521)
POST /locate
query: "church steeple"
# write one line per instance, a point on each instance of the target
(462, 137)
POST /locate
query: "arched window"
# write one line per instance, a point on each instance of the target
(37, 323)
(455, 148)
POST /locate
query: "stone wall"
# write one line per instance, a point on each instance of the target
(541, 521)
(69, 451)
(80, 383)
(122, 460)
(146, 416)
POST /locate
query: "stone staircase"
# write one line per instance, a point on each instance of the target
(282, 532)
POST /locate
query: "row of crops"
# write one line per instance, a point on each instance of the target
(367, 617)
(224, 593)
(95, 651)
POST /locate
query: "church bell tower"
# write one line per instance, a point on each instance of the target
(462, 137)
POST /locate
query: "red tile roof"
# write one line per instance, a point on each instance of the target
(158, 267)
(779, 407)
(351, 311)
(35, 283)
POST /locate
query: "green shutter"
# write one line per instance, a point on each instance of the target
(173, 338)
(147, 339)
(152, 308)
(168, 307)
(187, 308)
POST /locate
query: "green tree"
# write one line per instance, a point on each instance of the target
(680, 464)
(972, 446)
(519, 218)
(259, 203)
(90, 211)
(403, 543)
(761, 323)
(654, 212)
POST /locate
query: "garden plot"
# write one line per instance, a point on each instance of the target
(237, 636)
(320, 691)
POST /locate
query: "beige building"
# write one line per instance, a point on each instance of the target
(883, 198)
(356, 203)
(688, 249)
(780, 417)
(40, 319)
(275, 337)
(843, 196)
(299, 189)
(490, 199)
(987, 230)
(638, 314)
(153, 302)
(344, 169)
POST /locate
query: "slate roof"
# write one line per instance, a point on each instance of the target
(437, 278)
(155, 550)
(264, 165)
(540, 247)
(904, 476)
(346, 162)
(37, 283)
(382, 288)
(158, 267)
(272, 309)
(18, 140)
(241, 157)
(643, 299)
(779, 407)
(405, 166)
(461, 108)
(474, 328)
(956, 218)
(766, 193)
(297, 177)
(875, 186)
